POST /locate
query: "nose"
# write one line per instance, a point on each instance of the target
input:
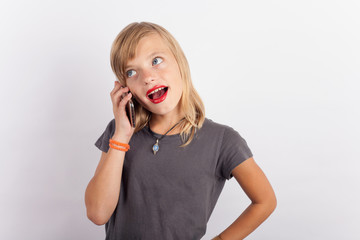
(148, 76)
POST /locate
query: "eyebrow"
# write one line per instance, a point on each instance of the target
(155, 53)
(151, 55)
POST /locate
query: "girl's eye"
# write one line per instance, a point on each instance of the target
(157, 61)
(130, 73)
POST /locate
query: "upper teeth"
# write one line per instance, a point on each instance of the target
(158, 89)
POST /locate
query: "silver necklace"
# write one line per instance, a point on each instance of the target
(156, 147)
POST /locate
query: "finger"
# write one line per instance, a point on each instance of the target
(123, 102)
(120, 95)
(116, 88)
(117, 85)
(116, 96)
(119, 103)
(120, 107)
(125, 99)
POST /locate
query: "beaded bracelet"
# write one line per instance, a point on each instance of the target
(119, 146)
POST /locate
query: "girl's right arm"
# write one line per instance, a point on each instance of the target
(102, 192)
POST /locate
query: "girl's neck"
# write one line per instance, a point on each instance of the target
(162, 123)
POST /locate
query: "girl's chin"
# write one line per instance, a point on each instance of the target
(160, 110)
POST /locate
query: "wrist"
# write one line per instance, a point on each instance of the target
(121, 138)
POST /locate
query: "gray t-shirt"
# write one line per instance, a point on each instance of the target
(172, 194)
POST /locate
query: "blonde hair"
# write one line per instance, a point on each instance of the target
(124, 48)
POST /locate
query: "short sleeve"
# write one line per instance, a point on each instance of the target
(234, 150)
(103, 142)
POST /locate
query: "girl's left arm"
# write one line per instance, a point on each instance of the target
(263, 201)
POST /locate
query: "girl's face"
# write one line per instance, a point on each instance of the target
(153, 76)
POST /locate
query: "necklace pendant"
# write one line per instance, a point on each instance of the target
(156, 148)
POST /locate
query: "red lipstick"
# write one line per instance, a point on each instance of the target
(159, 99)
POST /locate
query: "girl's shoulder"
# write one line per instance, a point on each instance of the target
(210, 125)
(215, 130)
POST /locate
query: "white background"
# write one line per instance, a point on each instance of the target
(284, 74)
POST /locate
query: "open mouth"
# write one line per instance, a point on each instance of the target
(158, 94)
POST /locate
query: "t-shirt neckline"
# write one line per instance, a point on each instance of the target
(157, 135)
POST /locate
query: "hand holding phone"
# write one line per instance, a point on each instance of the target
(125, 122)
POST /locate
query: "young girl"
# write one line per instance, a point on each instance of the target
(162, 179)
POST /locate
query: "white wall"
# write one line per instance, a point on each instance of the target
(287, 73)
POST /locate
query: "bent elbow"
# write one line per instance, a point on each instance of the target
(97, 218)
(268, 204)
(273, 206)
(272, 203)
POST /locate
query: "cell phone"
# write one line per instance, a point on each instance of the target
(130, 112)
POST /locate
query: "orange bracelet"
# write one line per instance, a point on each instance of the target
(127, 146)
(115, 147)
